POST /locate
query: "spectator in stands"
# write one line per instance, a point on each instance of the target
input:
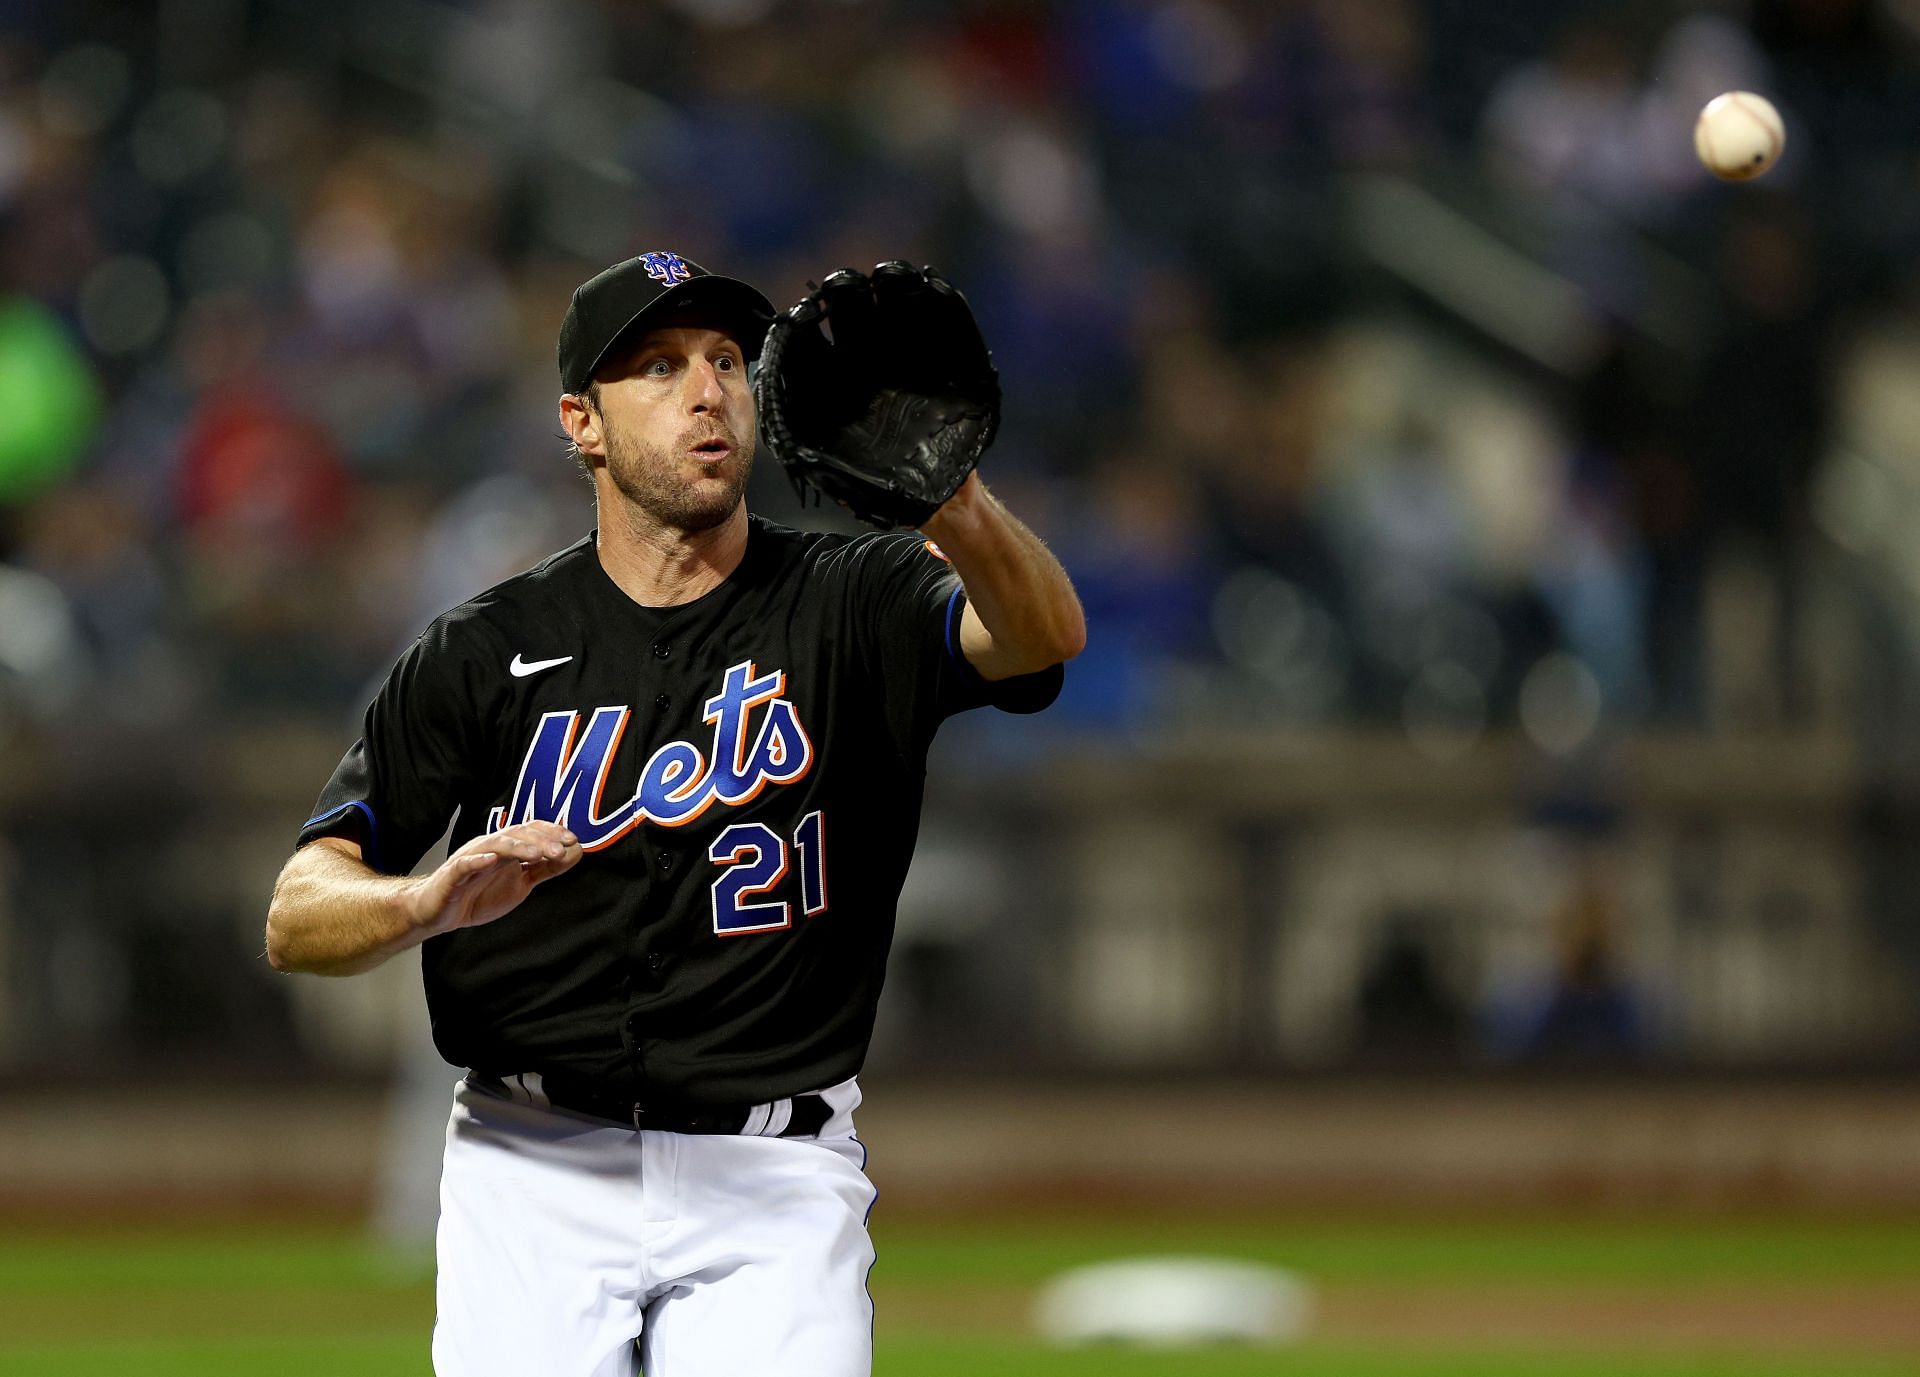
(1407, 1013)
(1589, 1012)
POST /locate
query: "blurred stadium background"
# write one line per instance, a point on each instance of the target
(1471, 865)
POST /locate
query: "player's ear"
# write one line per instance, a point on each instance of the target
(582, 423)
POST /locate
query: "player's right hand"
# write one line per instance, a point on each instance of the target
(489, 876)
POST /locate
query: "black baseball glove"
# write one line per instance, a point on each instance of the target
(889, 416)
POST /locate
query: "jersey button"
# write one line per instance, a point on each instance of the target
(663, 702)
(655, 963)
(661, 650)
(665, 862)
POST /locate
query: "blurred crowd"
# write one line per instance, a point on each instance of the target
(282, 280)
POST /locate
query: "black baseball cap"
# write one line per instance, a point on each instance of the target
(650, 287)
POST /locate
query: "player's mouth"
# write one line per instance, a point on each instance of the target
(711, 451)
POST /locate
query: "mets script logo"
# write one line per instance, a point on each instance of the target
(565, 771)
(667, 267)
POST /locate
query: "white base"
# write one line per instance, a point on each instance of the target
(1170, 1302)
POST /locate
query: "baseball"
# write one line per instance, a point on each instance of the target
(1739, 135)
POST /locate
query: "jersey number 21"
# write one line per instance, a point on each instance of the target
(755, 861)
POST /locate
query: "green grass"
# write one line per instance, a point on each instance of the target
(966, 1359)
(1028, 1250)
(292, 1357)
(233, 1259)
(308, 1300)
(407, 1357)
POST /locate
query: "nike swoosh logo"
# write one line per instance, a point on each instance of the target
(521, 669)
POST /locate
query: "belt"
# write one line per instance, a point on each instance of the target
(805, 1115)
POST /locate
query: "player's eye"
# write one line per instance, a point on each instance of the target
(659, 368)
(725, 363)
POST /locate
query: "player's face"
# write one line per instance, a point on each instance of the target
(677, 421)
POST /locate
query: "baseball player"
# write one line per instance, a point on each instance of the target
(683, 759)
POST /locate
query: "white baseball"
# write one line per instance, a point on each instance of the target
(1739, 135)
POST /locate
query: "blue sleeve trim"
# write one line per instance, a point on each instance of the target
(953, 650)
(1023, 693)
(373, 831)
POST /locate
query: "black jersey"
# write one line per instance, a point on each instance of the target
(744, 774)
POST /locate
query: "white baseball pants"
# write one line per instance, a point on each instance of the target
(562, 1240)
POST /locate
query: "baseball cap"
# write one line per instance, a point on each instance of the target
(649, 287)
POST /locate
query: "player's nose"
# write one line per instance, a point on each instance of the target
(703, 382)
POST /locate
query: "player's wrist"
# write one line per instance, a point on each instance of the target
(960, 514)
(418, 910)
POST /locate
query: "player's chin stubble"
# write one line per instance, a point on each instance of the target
(659, 484)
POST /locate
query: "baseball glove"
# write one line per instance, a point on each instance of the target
(889, 415)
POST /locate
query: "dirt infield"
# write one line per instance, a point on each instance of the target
(1472, 1143)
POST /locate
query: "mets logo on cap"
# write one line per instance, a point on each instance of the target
(667, 267)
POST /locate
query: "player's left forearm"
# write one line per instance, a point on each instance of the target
(1022, 613)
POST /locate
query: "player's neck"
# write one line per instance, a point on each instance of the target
(660, 567)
